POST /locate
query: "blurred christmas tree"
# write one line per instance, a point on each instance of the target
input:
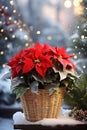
(76, 96)
(80, 40)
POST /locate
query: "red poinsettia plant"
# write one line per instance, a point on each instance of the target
(41, 67)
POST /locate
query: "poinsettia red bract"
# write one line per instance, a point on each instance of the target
(37, 60)
(63, 57)
(39, 57)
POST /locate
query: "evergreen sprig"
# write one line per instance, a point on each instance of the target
(77, 95)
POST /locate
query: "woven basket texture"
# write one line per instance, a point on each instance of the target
(42, 105)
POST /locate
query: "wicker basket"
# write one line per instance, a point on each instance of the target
(37, 107)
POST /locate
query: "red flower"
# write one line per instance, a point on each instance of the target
(63, 57)
(37, 60)
(38, 57)
(48, 50)
(16, 63)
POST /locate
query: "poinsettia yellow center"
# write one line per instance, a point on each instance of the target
(60, 56)
(36, 61)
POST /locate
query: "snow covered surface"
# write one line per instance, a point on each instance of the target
(4, 83)
(19, 119)
(6, 124)
(16, 105)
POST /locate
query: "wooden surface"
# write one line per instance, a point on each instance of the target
(58, 127)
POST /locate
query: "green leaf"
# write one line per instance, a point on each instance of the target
(19, 91)
(37, 78)
(53, 87)
(52, 90)
(76, 94)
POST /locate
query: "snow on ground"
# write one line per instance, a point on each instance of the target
(19, 118)
(6, 124)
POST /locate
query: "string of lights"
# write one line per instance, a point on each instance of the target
(10, 22)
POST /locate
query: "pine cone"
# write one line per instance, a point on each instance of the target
(79, 115)
(85, 112)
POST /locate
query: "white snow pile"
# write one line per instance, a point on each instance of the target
(19, 118)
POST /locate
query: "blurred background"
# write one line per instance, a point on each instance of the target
(25, 22)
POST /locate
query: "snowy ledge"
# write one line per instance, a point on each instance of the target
(19, 119)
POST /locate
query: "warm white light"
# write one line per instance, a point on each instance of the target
(85, 30)
(49, 38)
(21, 29)
(76, 3)
(2, 52)
(2, 14)
(14, 11)
(3, 7)
(38, 32)
(10, 29)
(2, 30)
(8, 46)
(82, 37)
(13, 36)
(10, 18)
(26, 37)
(67, 4)
(0, 22)
(11, 2)
(15, 21)
(75, 57)
(84, 66)
(26, 44)
(76, 47)
(6, 38)
(78, 10)
(79, 53)
(3, 65)
(6, 7)
(74, 40)
(78, 27)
